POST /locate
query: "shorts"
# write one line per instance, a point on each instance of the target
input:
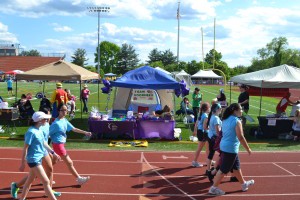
(9, 89)
(34, 164)
(229, 162)
(59, 149)
(296, 133)
(202, 136)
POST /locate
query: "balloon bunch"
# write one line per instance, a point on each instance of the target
(183, 91)
(107, 88)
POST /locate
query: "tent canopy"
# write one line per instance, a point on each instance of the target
(182, 75)
(110, 74)
(206, 74)
(283, 76)
(60, 70)
(146, 78)
(158, 68)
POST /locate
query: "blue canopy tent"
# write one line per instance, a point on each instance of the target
(144, 78)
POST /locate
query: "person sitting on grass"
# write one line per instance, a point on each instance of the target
(232, 137)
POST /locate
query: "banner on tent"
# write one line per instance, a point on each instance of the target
(268, 92)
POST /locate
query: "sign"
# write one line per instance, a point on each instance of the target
(271, 122)
(143, 96)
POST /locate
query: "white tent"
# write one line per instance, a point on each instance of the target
(283, 76)
(182, 75)
(206, 76)
(165, 71)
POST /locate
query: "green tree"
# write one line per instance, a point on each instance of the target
(127, 59)
(32, 52)
(157, 64)
(154, 56)
(193, 67)
(209, 58)
(108, 56)
(167, 57)
(79, 57)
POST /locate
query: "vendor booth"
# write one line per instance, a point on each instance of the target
(141, 92)
(283, 76)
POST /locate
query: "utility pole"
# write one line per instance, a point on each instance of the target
(178, 19)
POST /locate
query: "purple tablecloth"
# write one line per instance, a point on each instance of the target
(163, 129)
(112, 129)
(141, 129)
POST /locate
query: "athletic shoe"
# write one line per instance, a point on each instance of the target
(211, 176)
(216, 191)
(57, 194)
(14, 190)
(53, 182)
(233, 179)
(82, 179)
(246, 185)
(207, 172)
(196, 164)
(213, 163)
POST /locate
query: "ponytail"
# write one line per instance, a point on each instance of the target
(204, 108)
(213, 109)
(230, 110)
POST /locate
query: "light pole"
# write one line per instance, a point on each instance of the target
(178, 19)
(99, 10)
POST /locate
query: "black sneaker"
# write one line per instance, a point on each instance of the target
(207, 172)
(233, 179)
(210, 177)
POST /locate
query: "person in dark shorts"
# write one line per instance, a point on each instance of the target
(201, 128)
(232, 137)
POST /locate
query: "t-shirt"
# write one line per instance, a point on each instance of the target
(230, 142)
(58, 130)
(9, 83)
(35, 139)
(45, 130)
(243, 97)
(282, 105)
(196, 103)
(85, 93)
(214, 120)
(59, 96)
(201, 121)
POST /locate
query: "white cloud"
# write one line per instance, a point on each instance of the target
(6, 36)
(60, 28)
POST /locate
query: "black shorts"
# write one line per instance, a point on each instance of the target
(202, 136)
(32, 165)
(229, 162)
(9, 89)
(296, 133)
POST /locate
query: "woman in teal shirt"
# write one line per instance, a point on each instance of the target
(197, 98)
(232, 137)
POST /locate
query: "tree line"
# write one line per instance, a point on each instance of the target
(119, 60)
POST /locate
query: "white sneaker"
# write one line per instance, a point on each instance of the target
(196, 164)
(216, 191)
(246, 185)
(82, 179)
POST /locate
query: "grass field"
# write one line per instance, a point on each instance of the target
(209, 92)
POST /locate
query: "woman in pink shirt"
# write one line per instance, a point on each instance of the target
(84, 95)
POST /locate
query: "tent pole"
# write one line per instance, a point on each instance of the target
(16, 95)
(230, 91)
(260, 99)
(80, 99)
(98, 93)
(44, 88)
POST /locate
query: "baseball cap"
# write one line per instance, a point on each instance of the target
(58, 85)
(38, 116)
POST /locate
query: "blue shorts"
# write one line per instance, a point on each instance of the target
(9, 89)
(32, 165)
(202, 136)
(229, 162)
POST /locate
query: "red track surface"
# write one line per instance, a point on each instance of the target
(141, 175)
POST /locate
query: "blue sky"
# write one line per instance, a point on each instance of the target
(62, 26)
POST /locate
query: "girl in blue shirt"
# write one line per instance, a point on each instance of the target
(58, 135)
(201, 129)
(33, 153)
(215, 125)
(232, 137)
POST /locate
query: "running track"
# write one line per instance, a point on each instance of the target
(139, 175)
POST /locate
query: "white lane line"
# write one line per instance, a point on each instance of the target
(167, 180)
(284, 169)
(168, 195)
(174, 157)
